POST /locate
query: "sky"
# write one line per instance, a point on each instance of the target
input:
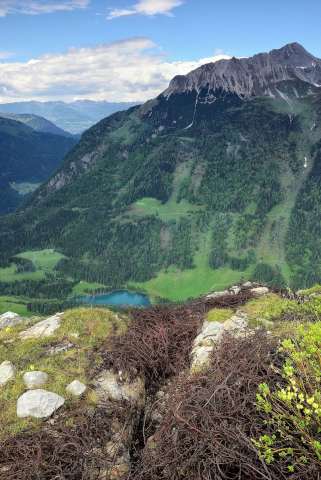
(128, 50)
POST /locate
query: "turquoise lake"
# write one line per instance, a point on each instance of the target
(121, 298)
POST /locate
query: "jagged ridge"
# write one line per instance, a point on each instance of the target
(255, 76)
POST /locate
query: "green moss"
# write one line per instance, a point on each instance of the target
(316, 289)
(267, 309)
(219, 315)
(85, 328)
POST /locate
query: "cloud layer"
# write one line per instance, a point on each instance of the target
(146, 7)
(37, 7)
(128, 70)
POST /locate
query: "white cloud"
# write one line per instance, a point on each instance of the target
(128, 70)
(146, 7)
(37, 7)
(5, 55)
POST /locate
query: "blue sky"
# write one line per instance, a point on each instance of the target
(129, 49)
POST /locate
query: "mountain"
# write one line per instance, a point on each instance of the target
(27, 158)
(74, 117)
(39, 124)
(260, 75)
(216, 179)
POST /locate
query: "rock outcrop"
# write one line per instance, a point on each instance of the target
(45, 328)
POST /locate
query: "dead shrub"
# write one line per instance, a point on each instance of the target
(158, 342)
(211, 418)
(71, 449)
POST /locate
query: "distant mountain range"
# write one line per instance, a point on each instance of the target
(74, 117)
(39, 124)
(215, 180)
(28, 156)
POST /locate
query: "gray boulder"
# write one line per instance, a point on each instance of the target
(38, 404)
(7, 372)
(209, 334)
(259, 291)
(10, 319)
(76, 388)
(110, 385)
(218, 294)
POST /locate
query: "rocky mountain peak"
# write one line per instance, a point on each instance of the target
(260, 75)
(293, 54)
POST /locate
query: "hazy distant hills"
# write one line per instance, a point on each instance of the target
(72, 117)
(27, 158)
(39, 124)
(215, 180)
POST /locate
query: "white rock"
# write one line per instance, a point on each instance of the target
(76, 388)
(7, 372)
(38, 404)
(35, 379)
(209, 334)
(218, 294)
(259, 291)
(200, 358)
(235, 289)
(45, 328)
(247, 284)
(204, 343)
(108, 385)
(237, 323)
(10, 319)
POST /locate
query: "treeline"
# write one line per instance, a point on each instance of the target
(47, 288)
(304, 236)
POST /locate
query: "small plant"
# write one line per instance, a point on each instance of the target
(219, 315)
(292, 409)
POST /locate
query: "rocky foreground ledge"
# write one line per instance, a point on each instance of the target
(91, 394)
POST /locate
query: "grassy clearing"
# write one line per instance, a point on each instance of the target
(10, 274)
(86, 287)
(15, 304)
(43, 260)
(85, 328)
(170, 210)
(179, 285)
